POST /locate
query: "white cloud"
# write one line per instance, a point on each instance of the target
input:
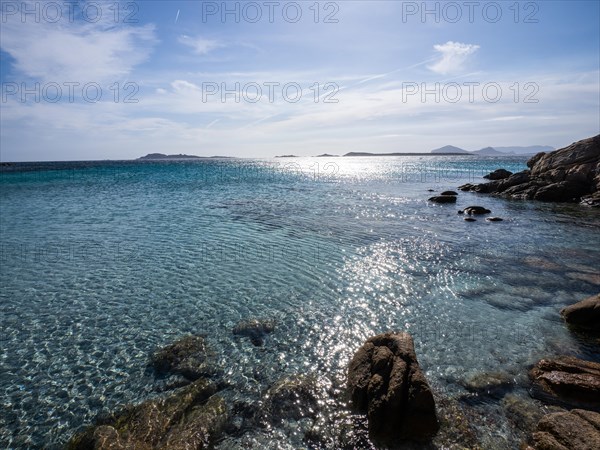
(75, 51)
(199, 45)
(453, 57)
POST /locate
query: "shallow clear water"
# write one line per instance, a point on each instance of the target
(104, 262)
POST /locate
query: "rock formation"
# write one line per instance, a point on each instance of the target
(498, 174)
(567, 380)
(577, 429)
(190, 418)
(584, 314)
(386, 382)
(570, 174)
(443, 199)
(189, 356)
(254, 329)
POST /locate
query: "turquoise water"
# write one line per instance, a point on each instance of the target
(103, 262)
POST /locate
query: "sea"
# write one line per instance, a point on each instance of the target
(103, 262)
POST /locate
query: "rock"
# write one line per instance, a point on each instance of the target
(523, 413)
(563, 191)
(449, 193)
(567, 380)
(470, 219)
(190, 418)
(494, 384)
(498, 174)
(584, 314)
(574, 430)
(189, 356)
(592, 278)
(591, 200)
(254, 329)
(386, 382)
(570, 174)
(494, 219)
(293, 397)
(460, 211)
(542, 263)
(430, 190)
(443, 199)
(476, 210)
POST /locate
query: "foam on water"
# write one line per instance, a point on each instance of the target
(103, 263)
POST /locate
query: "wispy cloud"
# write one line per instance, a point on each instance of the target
(75, 51)
(453, 56)
(199, 44)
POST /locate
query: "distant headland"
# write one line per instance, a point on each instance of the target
(405, 154)
(161, 156)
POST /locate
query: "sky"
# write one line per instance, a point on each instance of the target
(92, 81)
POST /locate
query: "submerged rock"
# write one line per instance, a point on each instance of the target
(474, 210)
(584, 314)
(523, 413)
(570, 174)
(494, 219)
(443, 199)
(470, 219)
(494, 384)
(449, 193)
(293, 397)
(498, 174)
(189, 356)
(567, 380)
(190, 418)
(386, 382)
(254, 329)
(574, 430)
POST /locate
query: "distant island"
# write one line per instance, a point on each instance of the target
(404, 154)
(287, 156)
(327, 155)
(494, 151)
(161, 156)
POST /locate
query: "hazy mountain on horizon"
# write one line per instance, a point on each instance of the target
(449, 149)
(496, 151)
(488, 151)
(530, 150)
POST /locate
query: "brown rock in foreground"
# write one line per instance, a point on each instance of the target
(570, 174)
(567, 380)
(189, 419)
(386, 382)
(574, 430)
(584, 314)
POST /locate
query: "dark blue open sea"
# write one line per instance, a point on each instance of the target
(103, 262)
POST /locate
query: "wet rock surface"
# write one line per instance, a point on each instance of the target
(254, 329)
(574, 430)
(292, 397)
(584, 314)
(443, 199)
(386, 382)
(476, 210)
(498, 174)
(494, 384)
(570, 174)
(190, 418)
(567, 381)
(188, 357)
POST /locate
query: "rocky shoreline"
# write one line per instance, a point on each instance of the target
(570, 174)
(386, 400)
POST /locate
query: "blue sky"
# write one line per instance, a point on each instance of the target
(387, 78)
